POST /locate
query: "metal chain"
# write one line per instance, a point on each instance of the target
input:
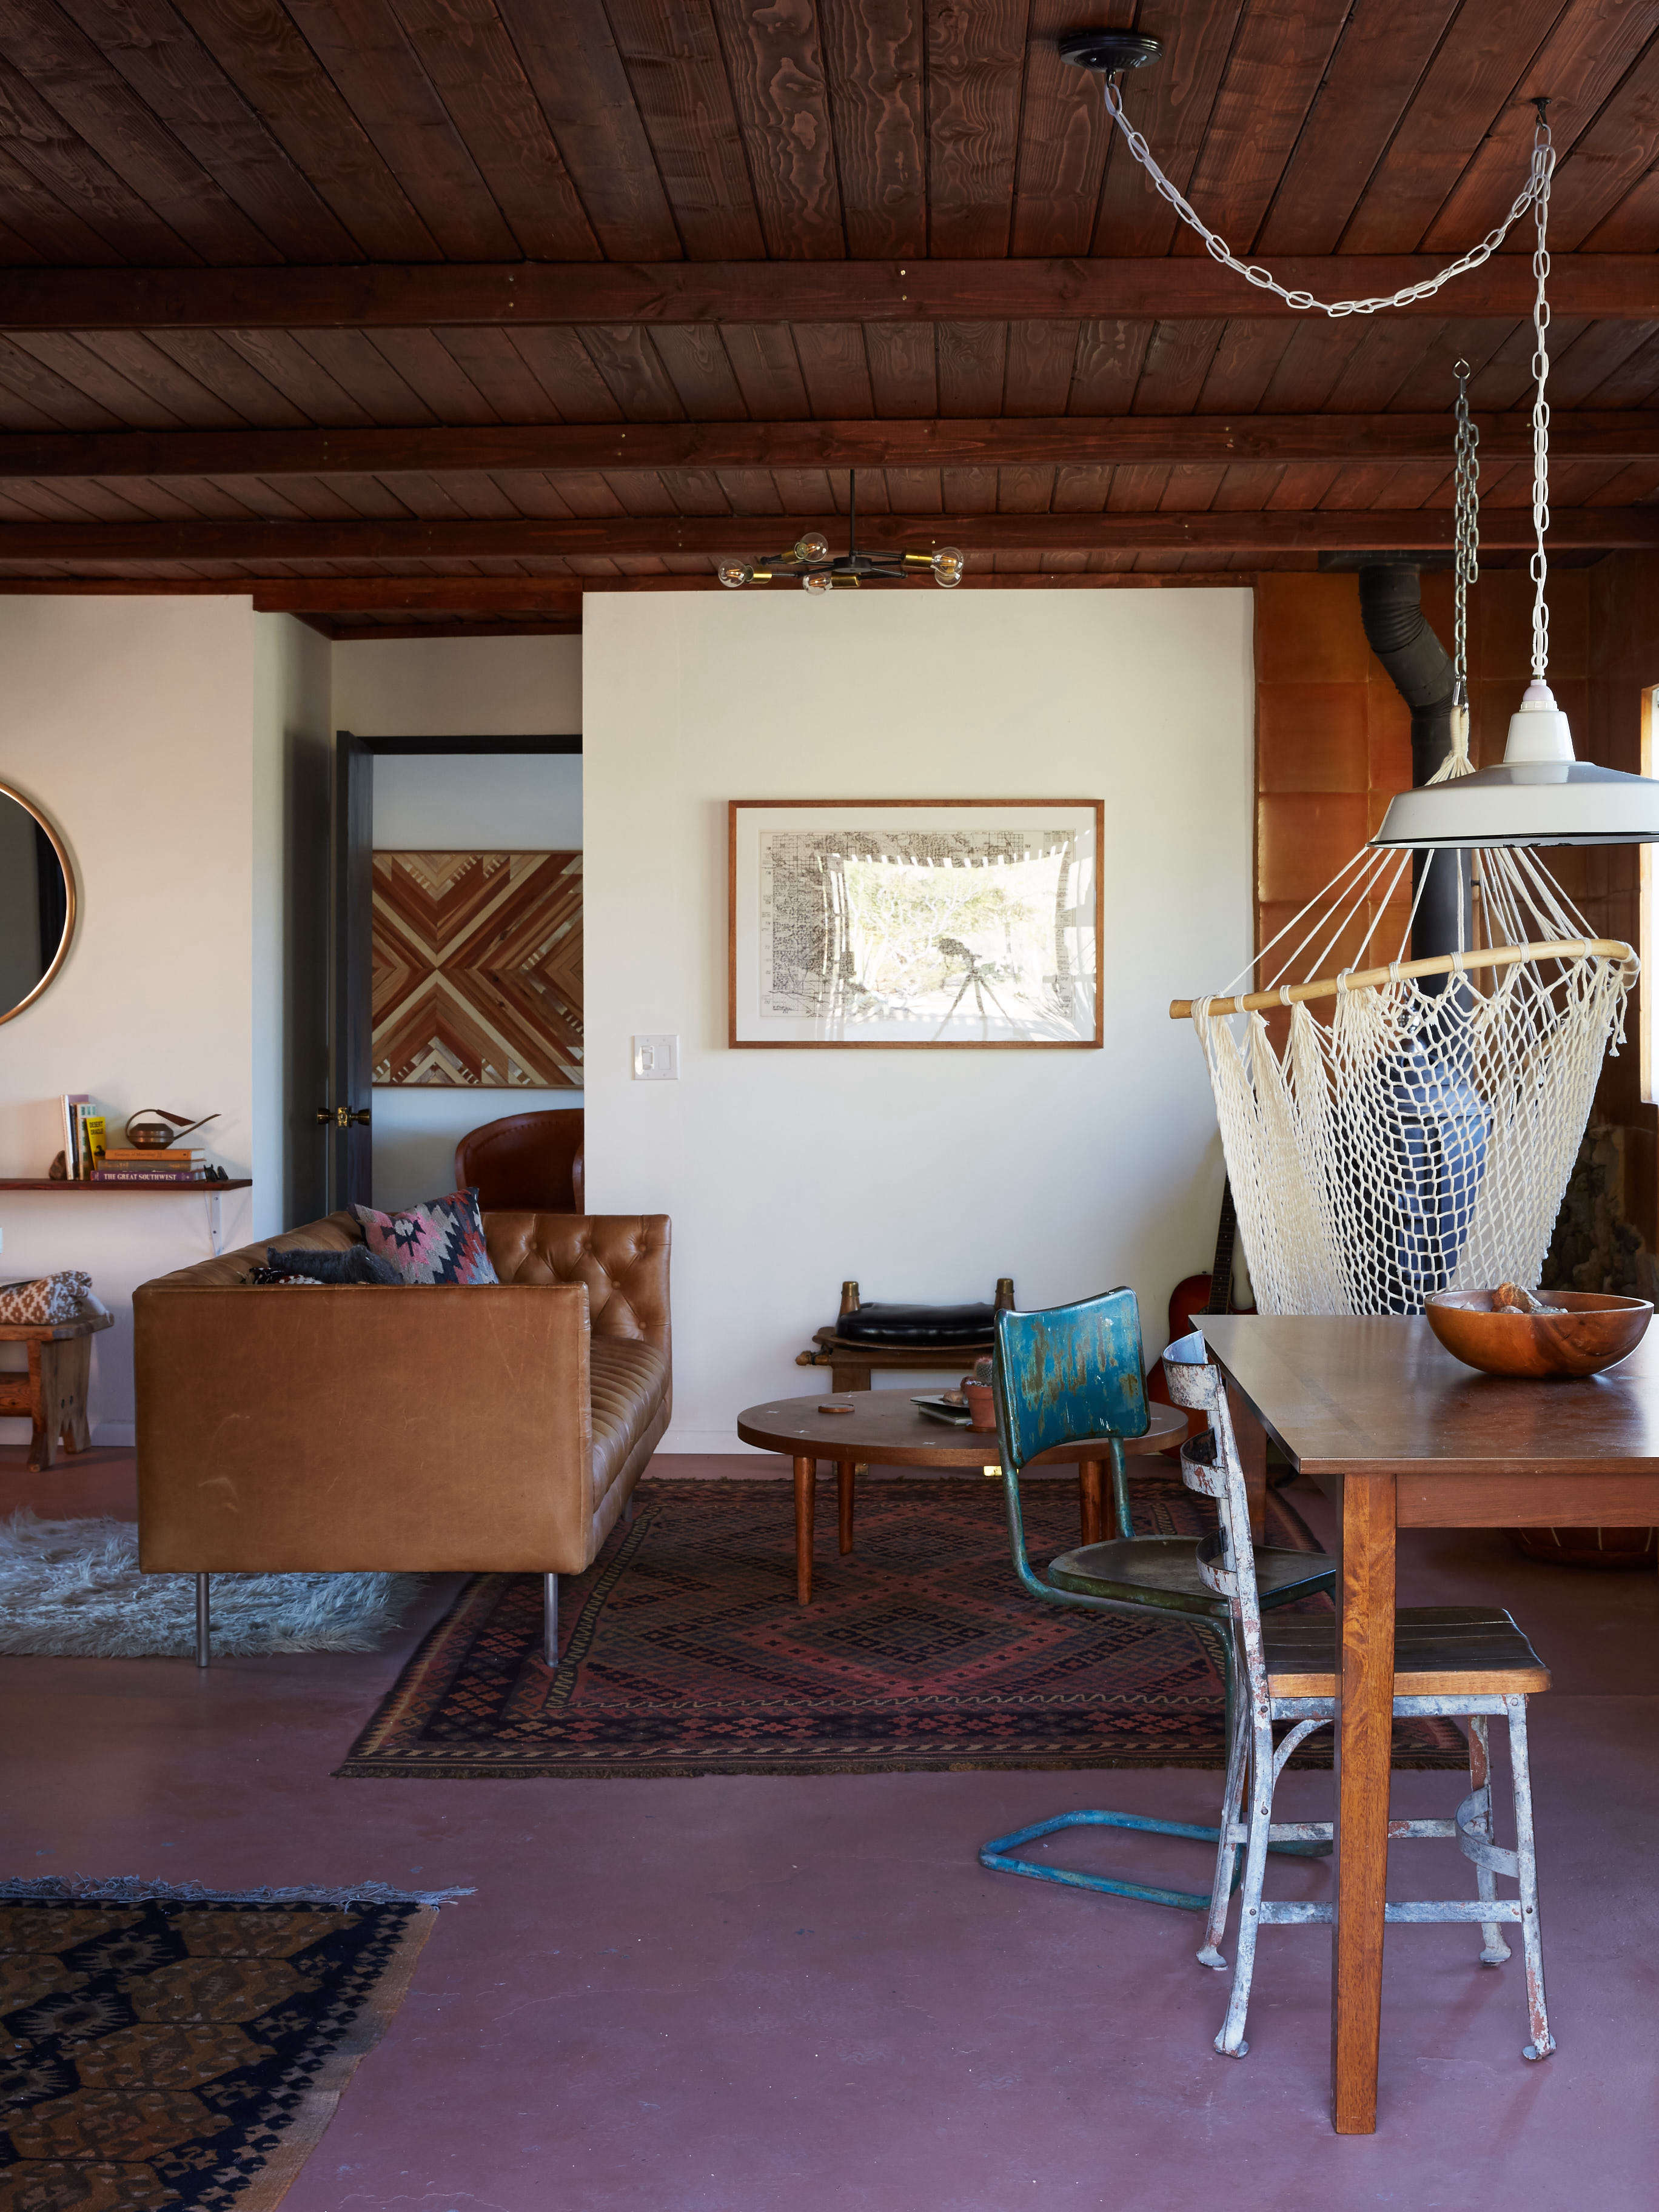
(1543, 168)
(1466, 568)
(1537, 184)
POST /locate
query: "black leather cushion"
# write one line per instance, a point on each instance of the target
(925, 1325)
(356, 1264)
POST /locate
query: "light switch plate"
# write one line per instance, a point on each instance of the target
(656, 1060)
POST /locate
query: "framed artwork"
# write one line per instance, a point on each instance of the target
(916, 922)
(478, 970)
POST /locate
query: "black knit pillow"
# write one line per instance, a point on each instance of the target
(355, 1264)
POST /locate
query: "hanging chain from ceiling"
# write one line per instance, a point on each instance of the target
(1543, 169)
(1536, 185)
(1465, 559)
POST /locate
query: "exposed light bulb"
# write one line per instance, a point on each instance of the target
(813, 547)
(734, 573)
(948, 565)
(819, 583)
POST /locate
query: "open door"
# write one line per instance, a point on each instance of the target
(344, 1113)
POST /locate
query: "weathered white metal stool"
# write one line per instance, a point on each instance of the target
(1459, 1661)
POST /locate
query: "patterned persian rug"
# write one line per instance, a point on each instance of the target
(165, 2050)
(683, 1650)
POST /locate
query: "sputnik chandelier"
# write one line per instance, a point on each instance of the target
(1541, 793)
(810, 562)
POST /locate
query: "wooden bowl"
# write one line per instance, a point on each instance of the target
(1596, 1331)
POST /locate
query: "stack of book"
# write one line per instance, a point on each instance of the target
(133, 1164)
(83, 1136)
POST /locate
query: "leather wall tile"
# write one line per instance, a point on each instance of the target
(1302, 840)
(1308, 630)
(1311, 737)
(1388, 737)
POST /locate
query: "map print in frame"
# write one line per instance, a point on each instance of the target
(917, 922)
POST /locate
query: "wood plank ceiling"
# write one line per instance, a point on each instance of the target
(427, 312)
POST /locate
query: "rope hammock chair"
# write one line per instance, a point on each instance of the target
(1420, 1137)
(1416, 1132)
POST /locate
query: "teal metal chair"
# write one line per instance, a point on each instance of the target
(1073, 1374)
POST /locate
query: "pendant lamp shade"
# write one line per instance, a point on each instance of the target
(1541, 795)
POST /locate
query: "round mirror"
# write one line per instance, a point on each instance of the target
(37, 903)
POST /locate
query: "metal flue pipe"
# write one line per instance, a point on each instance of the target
(1399, 634)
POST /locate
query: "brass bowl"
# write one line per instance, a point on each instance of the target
(1596, 1331)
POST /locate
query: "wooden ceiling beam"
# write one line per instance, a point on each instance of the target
(1604, 529)
(450, 294)
(1006, 442)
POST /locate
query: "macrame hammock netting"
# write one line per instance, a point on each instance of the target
(1415, 1132)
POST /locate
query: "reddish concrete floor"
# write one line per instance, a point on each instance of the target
(733, 1995)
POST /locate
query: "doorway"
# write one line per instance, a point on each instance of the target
(482, 813)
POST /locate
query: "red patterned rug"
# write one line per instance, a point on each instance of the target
(683, 1650)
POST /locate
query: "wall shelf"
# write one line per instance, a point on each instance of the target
(43, 1183)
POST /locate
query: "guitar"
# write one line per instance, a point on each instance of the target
(1202, 1294)
(1211, 1293)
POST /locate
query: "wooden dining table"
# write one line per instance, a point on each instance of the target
(1400, 1435)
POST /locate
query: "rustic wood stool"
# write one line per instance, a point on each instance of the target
(52, 1395)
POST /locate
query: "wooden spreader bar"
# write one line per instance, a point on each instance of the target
(1444, 963)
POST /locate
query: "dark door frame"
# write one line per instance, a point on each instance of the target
(343, 1117)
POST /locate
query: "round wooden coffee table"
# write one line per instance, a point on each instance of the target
(885, 1428)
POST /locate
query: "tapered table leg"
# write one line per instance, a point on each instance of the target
(1364, 1736)
(1091, 1495)
(806, 1481)
(846, 1469)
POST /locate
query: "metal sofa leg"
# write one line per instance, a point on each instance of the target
(550, 1620)
(202, 1624)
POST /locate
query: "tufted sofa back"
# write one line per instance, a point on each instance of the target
(622, 1258)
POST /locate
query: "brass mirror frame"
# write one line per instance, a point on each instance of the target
(70, 900)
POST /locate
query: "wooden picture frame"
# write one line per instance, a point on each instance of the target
(808, 966)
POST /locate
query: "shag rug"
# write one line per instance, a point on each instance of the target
(683, 1650)
(178, 2049)
(73, 1589)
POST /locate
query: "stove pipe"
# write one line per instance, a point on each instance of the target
(1398, 633)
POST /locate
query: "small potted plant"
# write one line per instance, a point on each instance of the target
(976, 1390)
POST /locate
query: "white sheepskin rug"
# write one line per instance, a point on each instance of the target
(73, 1589)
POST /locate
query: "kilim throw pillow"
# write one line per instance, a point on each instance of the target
(441, 1242)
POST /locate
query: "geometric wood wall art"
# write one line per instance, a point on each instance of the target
(479, 969)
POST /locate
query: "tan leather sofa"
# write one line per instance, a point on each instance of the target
(498, 1428)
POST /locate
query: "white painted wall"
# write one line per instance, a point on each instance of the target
(129, 722)
(458, 687)
(923, 1175)
(462, 802)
